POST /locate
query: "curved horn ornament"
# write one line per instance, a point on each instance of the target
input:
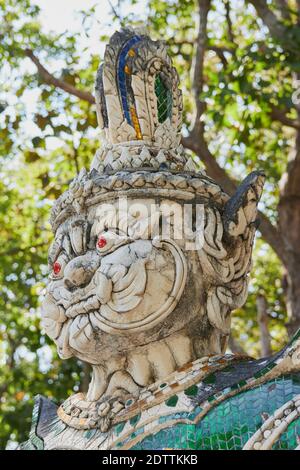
(241, 209)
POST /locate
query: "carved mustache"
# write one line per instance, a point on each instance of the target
(90, 297)
(110, 281)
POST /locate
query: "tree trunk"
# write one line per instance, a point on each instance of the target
(289, 203)
(293, 298)
(289, 219)
(289, 224)
(263, 320)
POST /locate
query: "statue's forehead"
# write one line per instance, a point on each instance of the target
(143, 207)
(128, 215)
(134, 207)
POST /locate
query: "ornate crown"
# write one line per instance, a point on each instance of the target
(139, 106)
(137, 94)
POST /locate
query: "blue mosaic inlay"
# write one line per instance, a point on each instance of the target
(122, 75)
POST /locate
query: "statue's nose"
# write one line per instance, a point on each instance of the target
(79, 271)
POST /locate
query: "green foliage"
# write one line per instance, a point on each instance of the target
(43, 146)
(266, 279)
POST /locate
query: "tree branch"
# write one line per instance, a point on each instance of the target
(195, 141)
(276, 28)
(201, 43)
(272, 236)
(228, 20)
(263, 320)
(114, 11)
(219, 50)
(197, 144)
(51, 80)
(220, 53)
(283, 8)
(286, 36)
(209, 47)
(280, 115)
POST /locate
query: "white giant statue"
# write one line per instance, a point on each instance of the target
(150, 257)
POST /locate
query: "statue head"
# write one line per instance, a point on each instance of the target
(150, 256)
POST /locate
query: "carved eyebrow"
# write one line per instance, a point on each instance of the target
(66, 244)
(61, 243)
(79, 232)
(55, 249)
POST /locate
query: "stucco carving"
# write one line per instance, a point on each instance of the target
(149, 256)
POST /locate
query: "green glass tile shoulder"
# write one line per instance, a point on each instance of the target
(230, 423)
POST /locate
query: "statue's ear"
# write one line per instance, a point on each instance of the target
(241, 209)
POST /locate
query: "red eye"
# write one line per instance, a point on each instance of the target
(56, 267)
(101, 242)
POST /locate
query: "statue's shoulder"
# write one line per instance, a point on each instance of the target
(217, 402)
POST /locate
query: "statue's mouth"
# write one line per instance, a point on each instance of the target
(67, 298)
(91, 303)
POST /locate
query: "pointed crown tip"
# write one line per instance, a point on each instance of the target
(136, 90)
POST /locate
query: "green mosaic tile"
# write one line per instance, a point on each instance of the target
(133, 421)
(90, 433)
(242, 383)
(229, 368)
(210, 379)
(231, 423)
(119, 427)
(172, 401)
(191, 445)
(290, 439)
(164, 99)
(191, 391)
